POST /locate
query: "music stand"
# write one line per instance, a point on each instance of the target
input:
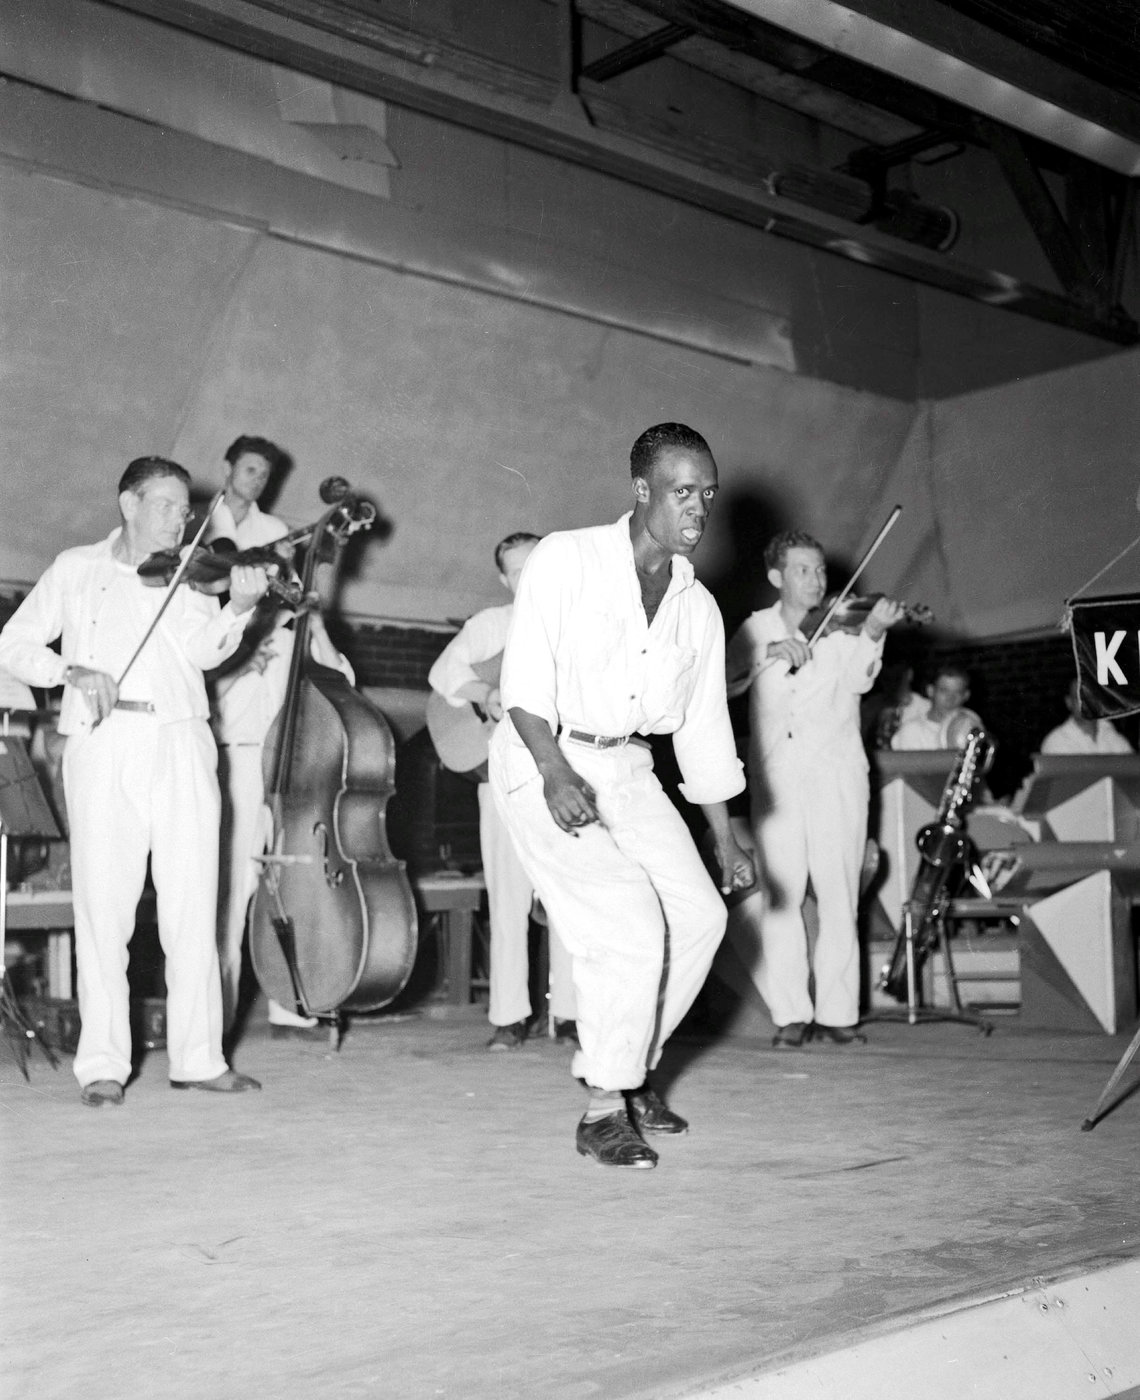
(24, 811)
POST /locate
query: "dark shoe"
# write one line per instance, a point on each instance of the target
(650, 1115)
(838, 1035)
(566, 1033)
(101, 1091)
(228, 1083)
(789, 1037)
(508, 1037)
(277, 1032)
(612, 1142)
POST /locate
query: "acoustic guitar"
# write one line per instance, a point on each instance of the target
(462, 733)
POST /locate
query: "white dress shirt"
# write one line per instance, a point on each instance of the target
(807, 717)
(100, 610)
(581, 654)
(1070, 738)
(924, 732)
(256, 528)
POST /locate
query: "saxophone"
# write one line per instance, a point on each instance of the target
(943, 847)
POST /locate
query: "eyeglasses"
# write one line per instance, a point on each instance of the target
(168, 510)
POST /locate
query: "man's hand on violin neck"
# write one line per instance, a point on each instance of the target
(248, 582)
(882, 617)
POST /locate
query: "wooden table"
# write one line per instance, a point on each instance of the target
(48, 912)
(456, 898)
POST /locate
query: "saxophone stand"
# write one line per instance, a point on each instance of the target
(915, 1013)
(1117, 1075)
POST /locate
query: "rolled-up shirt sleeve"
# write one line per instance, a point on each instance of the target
(706, 754)
(480, 639)
(207, 634)
(862, 662)
(529, 679)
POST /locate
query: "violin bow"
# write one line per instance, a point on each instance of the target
(183, 565)
(842, 597)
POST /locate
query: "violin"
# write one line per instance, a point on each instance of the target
(209, 565)
(849, 614)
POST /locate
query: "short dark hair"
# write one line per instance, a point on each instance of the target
(776, 550)
(950, 668)
(143, 469)
(262, 447)
(513, 542)
(660, 438)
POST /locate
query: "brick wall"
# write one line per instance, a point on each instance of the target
(385, 654)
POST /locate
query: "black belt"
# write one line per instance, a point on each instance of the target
(596, 741)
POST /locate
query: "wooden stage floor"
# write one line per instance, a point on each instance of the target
(408, 1217)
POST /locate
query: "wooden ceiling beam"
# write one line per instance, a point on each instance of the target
(262, 31)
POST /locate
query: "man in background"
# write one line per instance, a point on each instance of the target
(947, 721)
(251, 463)
(1082, 736)
(244, 706)
(809, 790)
(466, 674)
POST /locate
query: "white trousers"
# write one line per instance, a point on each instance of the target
(247, 832)
(135, 787)
(510, 893)
(810, 825)
(631, 900)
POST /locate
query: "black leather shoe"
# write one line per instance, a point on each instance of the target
(650, 1115)
(101, 1091)
(612, 1142)
(228, 1083)
(508, 1037)
(838, 1035)
(566, 1033)
(789, 1037)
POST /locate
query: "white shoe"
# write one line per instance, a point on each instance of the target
(282, 1016)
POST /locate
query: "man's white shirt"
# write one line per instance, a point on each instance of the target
(581, 654)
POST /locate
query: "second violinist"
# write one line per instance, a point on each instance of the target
(809, 787)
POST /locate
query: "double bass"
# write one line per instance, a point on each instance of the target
(333, 927)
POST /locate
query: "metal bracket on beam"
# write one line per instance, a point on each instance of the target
(1044, 217)
(568, 105)
(869, 160)
(634, 54)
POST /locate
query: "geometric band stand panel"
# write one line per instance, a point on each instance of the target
(1078, 961)
(1088, 797)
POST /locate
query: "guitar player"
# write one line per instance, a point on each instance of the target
(466, 676)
